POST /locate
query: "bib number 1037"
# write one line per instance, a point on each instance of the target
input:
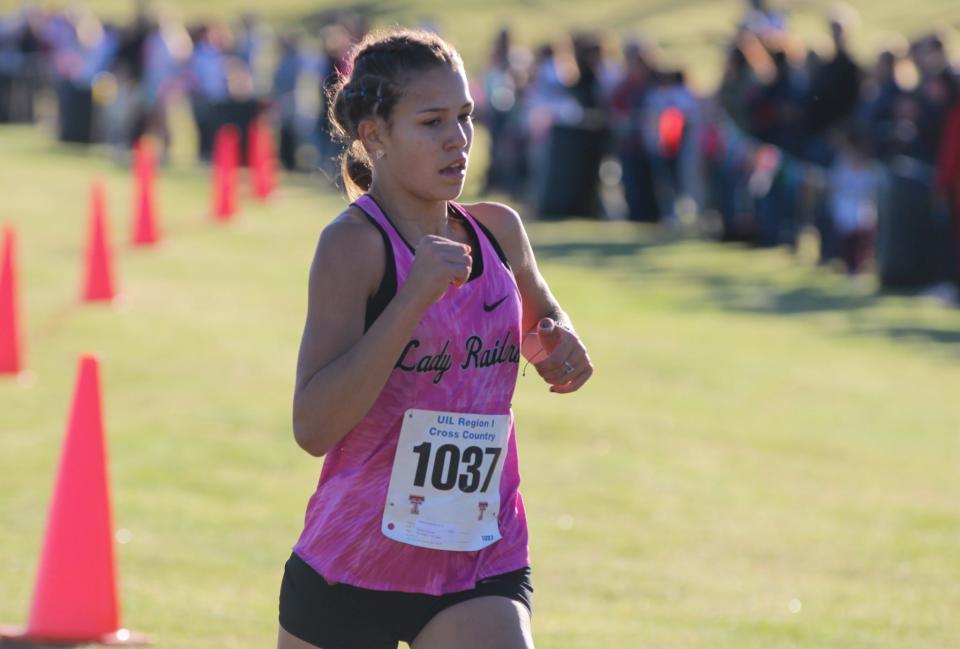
(453, 467)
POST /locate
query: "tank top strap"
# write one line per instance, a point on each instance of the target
(401, 251)
(489, 254)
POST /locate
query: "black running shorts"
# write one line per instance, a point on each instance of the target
(347, 617)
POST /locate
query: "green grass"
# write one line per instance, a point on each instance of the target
(758, 431)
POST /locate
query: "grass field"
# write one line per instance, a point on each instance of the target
(767, 456)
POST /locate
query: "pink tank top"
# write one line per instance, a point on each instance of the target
(462, 357)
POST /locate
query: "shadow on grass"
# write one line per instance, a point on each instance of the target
(761, 295)
(767, 298)
(914, 334)
(593, 253)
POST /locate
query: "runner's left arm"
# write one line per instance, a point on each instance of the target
(553, 347)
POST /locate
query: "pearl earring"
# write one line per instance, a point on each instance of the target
(379, 154)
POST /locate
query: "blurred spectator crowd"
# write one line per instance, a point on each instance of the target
(114, 83)
(794, 141)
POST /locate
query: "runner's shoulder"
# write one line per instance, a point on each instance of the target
(350, 244)
(502, 220)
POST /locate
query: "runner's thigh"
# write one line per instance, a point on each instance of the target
(480, 623)
(287, 640)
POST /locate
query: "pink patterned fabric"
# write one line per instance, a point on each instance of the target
(462, 357)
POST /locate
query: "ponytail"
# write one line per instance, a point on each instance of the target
(356, 170)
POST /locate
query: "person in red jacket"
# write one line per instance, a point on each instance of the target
(948, 176)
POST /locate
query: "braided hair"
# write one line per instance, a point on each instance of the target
(381, 64)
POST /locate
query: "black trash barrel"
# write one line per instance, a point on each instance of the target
(913, 244)
(572, 183)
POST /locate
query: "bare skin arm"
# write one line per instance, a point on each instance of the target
(341, 369)
(538, 302)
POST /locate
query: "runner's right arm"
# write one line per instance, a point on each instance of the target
(340, 369)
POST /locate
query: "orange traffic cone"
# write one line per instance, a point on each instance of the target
(269, 159)
(99, 284)
(261, 158)
(145, 231)
(75, 595)
(11, 345)
(226, 154)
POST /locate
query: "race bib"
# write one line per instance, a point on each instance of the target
(444, 490)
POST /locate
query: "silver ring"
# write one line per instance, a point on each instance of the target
(567, 367)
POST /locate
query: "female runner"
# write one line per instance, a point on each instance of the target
(416, 314)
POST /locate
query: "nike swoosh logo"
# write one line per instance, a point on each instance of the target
(490, 307)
